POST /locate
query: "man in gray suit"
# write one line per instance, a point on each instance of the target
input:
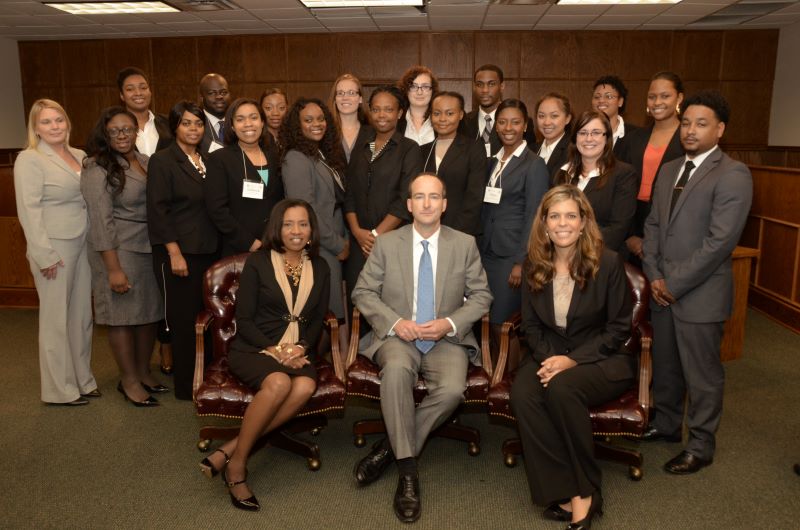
(421, 290)
(700, 206)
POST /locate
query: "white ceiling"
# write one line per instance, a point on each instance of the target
(31, 20)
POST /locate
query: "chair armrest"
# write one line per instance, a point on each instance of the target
(486, 352)
(204, 319)
(511, 325)
(337, 355)
(352, 349)
(645, 364)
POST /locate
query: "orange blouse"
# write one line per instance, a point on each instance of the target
(650, 162)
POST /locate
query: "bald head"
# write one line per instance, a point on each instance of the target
(214, 94)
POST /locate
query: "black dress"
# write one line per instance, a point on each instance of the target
(260, 311)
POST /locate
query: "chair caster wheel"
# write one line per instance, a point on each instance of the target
(359, 440)
(473, 449)
(510, 460)
(316, 431)
(204, 445)
(313, 464)
(635, 473)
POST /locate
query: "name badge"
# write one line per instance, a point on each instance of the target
(488, 146)
(492, 195)
(214, 146)
(253, 190)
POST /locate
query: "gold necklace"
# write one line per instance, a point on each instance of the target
(295, 271)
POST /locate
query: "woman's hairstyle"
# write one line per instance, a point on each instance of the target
(617, 84)
(291, 135)
(512, 103)
(177, 111)
(407, 79)
(128, 71)
(98, 147)
(272, 232)
(230, 134)
(362, 115)
(540, 263)
(270, 92)
(450, 94)
(393, 91)
(563, 102)
(36, 109)
(607, 160)
(672, 78)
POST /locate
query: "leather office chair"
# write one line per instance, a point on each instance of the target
(363, 380)
(626, 416)
(218, 393)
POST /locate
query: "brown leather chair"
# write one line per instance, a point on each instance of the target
(626, 416)
(363, 380)
(218, 393)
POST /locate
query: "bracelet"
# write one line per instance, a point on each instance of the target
(374, 232)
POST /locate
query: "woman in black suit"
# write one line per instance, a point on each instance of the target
(609, 185)
(183, 237)
(518, 180)
(459, 161)
(554, 120)
(651, 147)
(280, 309)
(576, 316)
(382, 163)
(243, 182)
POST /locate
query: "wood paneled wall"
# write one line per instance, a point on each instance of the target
(741, 64)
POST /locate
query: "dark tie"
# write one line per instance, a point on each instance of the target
(676, 191)
(487, 131)
(221, 133)
(425, 295)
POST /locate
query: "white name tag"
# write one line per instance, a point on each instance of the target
(488, 149)
(492, 195)
(253, 190)
(214, 146)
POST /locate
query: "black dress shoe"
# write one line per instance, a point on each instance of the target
(407, 505)
(249, 504)
(149, 402)
(371, 467)
(595, 508)
(157, 389)
(686, 464)
(651, 434)
(555, 512)
(93, 394)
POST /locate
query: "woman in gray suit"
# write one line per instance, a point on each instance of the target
(313, 169)
(53, 216)
(126, 296)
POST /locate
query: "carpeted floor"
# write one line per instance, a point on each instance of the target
(110, 464)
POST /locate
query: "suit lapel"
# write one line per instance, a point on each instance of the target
(699, 174)
(406, 255)
(444, 259)
(57, 160)
(573, 304)
(186, 166)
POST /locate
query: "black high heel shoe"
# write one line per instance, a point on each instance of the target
(596, 508)
(249, 504)
(208, 469)
(157, 389)
(149, 402)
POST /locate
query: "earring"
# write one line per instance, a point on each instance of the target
(678, 108)
(308, 243)
(647, 110)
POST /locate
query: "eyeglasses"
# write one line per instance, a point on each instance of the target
(608, 96)
(127, 131)
(348, 93)
(591, 134)
(420, 88)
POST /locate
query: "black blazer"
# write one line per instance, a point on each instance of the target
(240, 220)
(598, 321)
(558, 157)
(614, 204)
(210, 135)
(621, 145)
(164, 133)
(260, 306)
(636, 146)
(469, 128)
(176, 208)
(463, 170)
(375, 189)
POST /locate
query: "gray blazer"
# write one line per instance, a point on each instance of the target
(691, 249)
(311, 180)
(384, 291)
(49, 201)
(117, 221)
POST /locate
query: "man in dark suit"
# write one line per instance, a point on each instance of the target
(700, 205)
(134, 92)
(215, 98)
(421, 289)
(488, 85)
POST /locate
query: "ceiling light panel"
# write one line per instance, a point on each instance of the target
(112, 8)
(318, 4)
(615, 2)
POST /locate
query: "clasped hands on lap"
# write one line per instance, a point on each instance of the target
(408, 330)
(552, 366)
(287, 354)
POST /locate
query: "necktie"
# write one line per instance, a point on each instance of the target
(487, 131)
(221, 131)
(425, 296)
(676, 191)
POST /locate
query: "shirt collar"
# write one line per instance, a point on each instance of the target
(212, 120)
(482, 115)
(433, 240)
(619, 132)
(517, 152)
(592, 174)
(699, 159)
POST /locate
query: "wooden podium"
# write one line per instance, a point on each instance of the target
(733, 336)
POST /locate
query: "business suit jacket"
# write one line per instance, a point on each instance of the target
(463, 170)
(209, 135)
(176, 208)
(598, 321)
(507, 226)
(239, 220)
(621, 145)
(385, 289)
(164, 133)
(634, 155)
(691, 249)
(49, 201)
(469, 128)
(614, 204)
(558, 157)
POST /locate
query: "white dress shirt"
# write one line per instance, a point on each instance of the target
(619, 132)
(546, 150)
(147, 138)
(582, 181)
(424, 135)
(698, 160)
(497, 171)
